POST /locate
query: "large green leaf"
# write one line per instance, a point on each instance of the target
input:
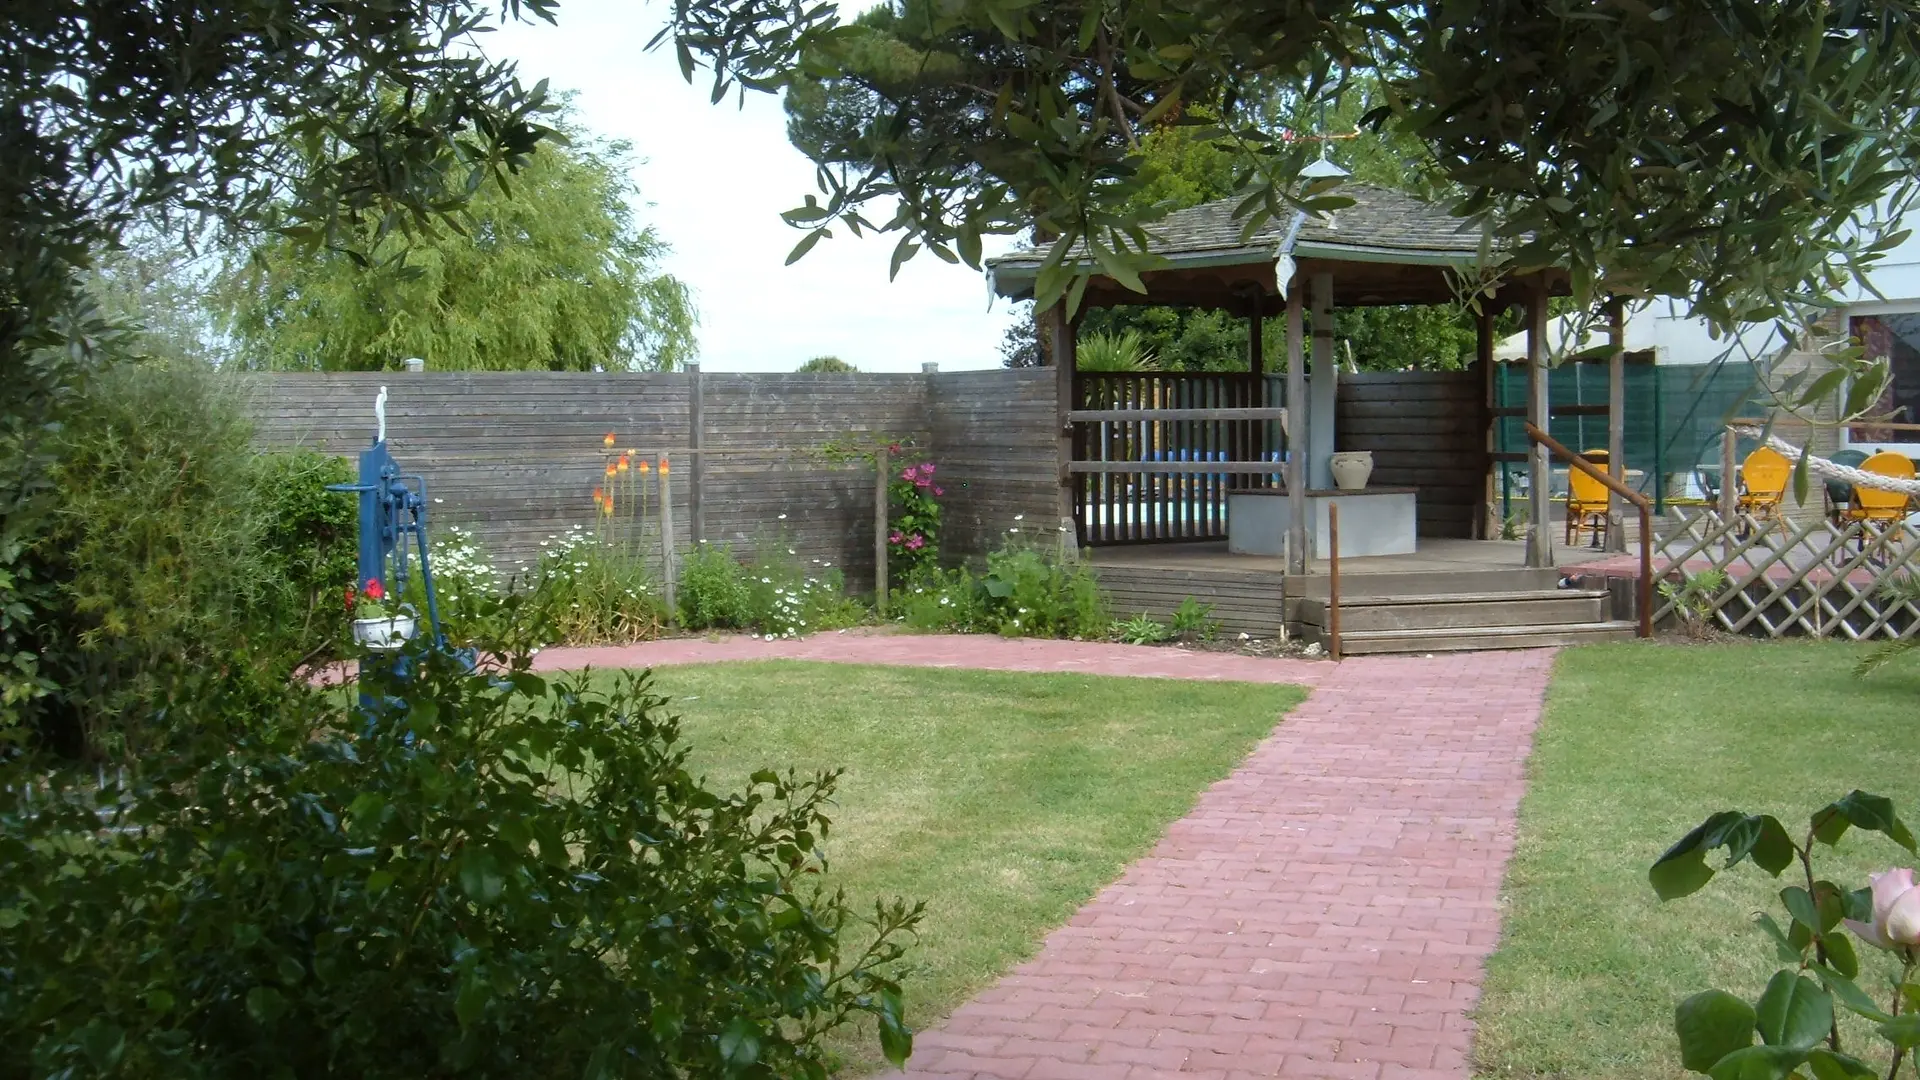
(1861, 811)
(1902, 1031)
(1794, 1011)
(1829, 1065)
(1759, 1063)
(1712, 1024)
(1683, 868)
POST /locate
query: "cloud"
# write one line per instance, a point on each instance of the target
(718, 177)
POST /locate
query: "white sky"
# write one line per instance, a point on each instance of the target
(718, 177)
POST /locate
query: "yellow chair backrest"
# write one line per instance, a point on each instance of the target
(1582, 488)
(1765, 473)
(1884, 463)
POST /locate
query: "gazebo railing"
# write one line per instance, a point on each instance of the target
(1155, 454)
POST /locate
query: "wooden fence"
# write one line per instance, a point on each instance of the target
(1785, 578)
(515, 456)
(1427, 430)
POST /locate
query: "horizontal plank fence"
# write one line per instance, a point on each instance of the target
(1427, 430)
(515, 456)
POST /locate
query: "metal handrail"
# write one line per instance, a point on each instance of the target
(1640, 503)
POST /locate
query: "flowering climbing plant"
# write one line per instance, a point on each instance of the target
(1793, 1029)
(913, 520)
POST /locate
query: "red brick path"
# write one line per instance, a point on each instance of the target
(1323, 912)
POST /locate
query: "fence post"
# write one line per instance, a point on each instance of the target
(697, 468)
(1729, 477)
(669, 570)
(883, 467)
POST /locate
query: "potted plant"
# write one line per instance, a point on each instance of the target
(375, 624)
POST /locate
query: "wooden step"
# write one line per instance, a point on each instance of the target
(1439, 582)
(1455, 610)
(1464, 639)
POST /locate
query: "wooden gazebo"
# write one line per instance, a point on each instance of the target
(1388, 248)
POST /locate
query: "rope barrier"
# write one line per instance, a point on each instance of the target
(1830, 470)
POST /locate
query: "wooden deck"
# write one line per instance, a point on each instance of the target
(1251, 594)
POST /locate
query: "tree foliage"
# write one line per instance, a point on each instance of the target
(827, 365)
(1729, 153)
(485, 875)
(318, 117)
(550, 273)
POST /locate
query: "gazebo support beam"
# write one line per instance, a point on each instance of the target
(1539, 471)
(1062, 343)
(1324, 386)
(1296, 433)
(1616, 419)
(1484, 527)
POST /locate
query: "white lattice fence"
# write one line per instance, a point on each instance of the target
(1818, 579)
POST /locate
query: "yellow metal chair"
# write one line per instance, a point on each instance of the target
(1885, 508)
(1763, 483)
(1586, 502)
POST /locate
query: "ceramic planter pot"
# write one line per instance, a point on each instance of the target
(384, 635)
(1351, 468)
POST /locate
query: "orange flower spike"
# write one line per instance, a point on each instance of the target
(610, 469)
(624, 462)
(644, 467)
(608, 441)
(663, 465)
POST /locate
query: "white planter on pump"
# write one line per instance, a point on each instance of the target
(1350, 469)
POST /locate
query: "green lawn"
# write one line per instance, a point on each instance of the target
(1639, 744)
(1003, 800)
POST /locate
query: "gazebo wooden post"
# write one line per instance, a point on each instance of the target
(1061, 335)
(1296, 432)
(1483, 525)
(1256, 347)
(1324, 391)
(1539, 473)
(1616, 419)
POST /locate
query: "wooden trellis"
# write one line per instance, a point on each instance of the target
(1819, 579)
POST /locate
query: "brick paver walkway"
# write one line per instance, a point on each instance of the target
(1324, 911)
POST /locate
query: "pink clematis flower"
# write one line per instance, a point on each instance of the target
(1896, 911)
(916, 542)
(939, 491)
(908, 473)
(894, 539)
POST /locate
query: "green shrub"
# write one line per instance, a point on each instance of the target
(1193, 619)
(309, 546)
(1033, 593)
(491, 876)
(174, 554)
(788, 598)
(1026, 591)
(593, 590)
(713, 591)
(1141, 630)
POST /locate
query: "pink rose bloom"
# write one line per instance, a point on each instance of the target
(1896, 911)
(916, 542)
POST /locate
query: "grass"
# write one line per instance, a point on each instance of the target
(1638, 745)
(1003, 800)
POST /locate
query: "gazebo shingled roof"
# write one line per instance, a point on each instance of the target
(1387, 248)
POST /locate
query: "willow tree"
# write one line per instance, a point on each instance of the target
(551, 272)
